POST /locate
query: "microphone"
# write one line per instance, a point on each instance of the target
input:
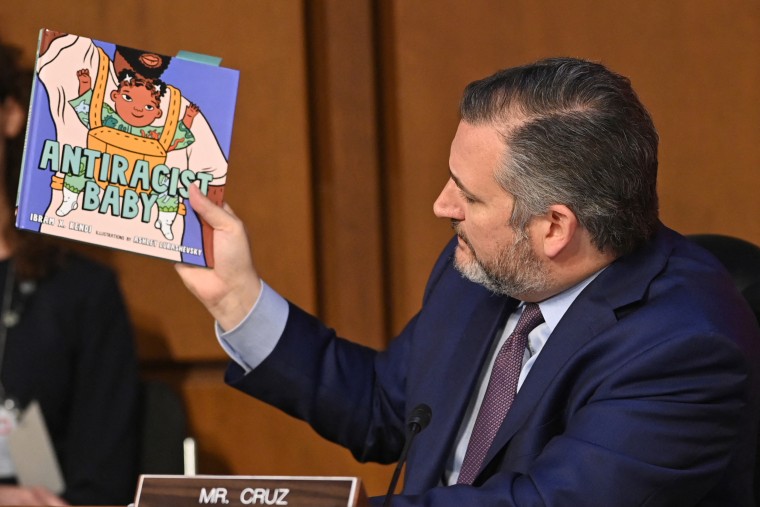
(417, 421)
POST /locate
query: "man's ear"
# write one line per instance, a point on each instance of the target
(12, 118)
(558, 230)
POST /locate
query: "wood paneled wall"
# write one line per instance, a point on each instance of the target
(343, 124)
(693, 64)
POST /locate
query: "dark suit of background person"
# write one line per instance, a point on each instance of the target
(72, 347)
(646, 391)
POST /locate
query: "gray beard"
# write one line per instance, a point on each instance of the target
(515, 272)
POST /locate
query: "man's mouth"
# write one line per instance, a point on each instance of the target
(462, 242)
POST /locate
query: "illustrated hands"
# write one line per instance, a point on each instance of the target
(84, 77)
(48, 36)
(229, 289)
(85, 81)
(190, 113)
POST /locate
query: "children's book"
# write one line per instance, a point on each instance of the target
(115, 137)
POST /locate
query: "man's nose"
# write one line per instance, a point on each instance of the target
(448, 204)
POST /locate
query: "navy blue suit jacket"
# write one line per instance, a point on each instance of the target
(645, 394)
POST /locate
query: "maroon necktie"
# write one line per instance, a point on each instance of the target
(500, 393)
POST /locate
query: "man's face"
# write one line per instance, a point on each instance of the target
(490, 251)
(136, 105)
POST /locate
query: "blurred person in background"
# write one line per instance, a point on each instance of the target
(65, 341)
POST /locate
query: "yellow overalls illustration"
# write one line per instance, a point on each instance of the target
(114, 137)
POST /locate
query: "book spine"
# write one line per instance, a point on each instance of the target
(22, 196)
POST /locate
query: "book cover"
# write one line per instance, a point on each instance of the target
(114, 138)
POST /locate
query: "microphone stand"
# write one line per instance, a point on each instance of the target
(418, 421)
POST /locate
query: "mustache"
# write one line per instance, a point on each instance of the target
(458, 231)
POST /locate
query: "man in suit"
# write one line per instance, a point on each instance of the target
(574, 351)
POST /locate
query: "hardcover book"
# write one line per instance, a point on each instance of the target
(114, 139)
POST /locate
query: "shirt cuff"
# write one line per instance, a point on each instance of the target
(255, 337)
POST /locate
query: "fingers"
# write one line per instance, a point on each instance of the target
(35, 495)
(216, 216)
(229, 210)
(45, 497)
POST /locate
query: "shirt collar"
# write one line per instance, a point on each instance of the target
(555, 307)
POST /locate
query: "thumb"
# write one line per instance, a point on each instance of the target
(214, 215)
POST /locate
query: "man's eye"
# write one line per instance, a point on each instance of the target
(126, 97)
(467, 198)
(149, 108)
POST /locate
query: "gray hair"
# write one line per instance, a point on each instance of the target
(575, 134)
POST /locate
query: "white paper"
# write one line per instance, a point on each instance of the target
(32, 452)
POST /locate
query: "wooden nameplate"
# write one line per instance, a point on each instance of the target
(238, 490)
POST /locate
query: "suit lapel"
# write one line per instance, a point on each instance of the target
(623, 283)
(580, 324)
(451, 387)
